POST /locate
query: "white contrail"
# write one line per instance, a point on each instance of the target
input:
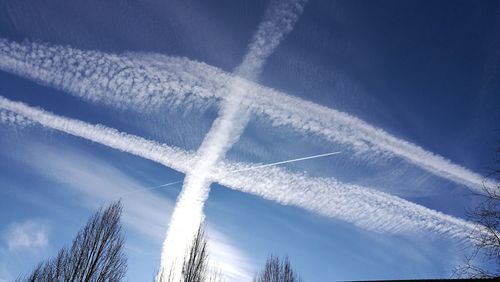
(278, 21)
(285, 162)
(169, 156)
(148, 81)
(233, 117)
(366, 208)
(229, 172)
(148, 188)
(8, 117)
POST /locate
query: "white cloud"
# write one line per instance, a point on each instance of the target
(144, 82)
(278, 21)
(225, 131)
(365, 207)
(29, 234)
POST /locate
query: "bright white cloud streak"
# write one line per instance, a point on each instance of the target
(364, 207)
(233, 117)
(147, 81)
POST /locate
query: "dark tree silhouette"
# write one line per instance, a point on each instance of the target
(277, 270)
(194, 268)
(485, 237)
(195, 263)
(95, 255)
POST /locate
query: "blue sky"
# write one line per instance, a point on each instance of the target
(393, 85)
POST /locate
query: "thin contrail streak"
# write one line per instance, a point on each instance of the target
(364, 207)
(233, 171)
(149, 188)
(286, 162)
(143, 82)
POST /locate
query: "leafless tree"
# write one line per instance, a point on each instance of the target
(485, 237)
(277, 270)
(96, 253)
(194, 268)
(195, 263)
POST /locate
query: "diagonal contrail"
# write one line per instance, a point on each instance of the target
(233, 117)
(362, 206)
(286, 162)
(149, 188)
(147, 81)
(229, 172)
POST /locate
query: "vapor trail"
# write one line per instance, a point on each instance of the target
(149, 188)
(169, 156)
(147, 81)
(285, 162)
(233, 117)
(362, 206)
(233, 171)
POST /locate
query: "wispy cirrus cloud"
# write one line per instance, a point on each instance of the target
(233, 264)
(28, 234)
(97, 182)
(364, 207)
(147, 81)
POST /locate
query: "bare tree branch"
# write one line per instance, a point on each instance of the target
(195, 266)
(96, 253)
(485, 237)
(277, 270)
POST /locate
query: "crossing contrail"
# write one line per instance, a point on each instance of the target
(232, 119)
(146, 82)
(362, 206)
(229, 172)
